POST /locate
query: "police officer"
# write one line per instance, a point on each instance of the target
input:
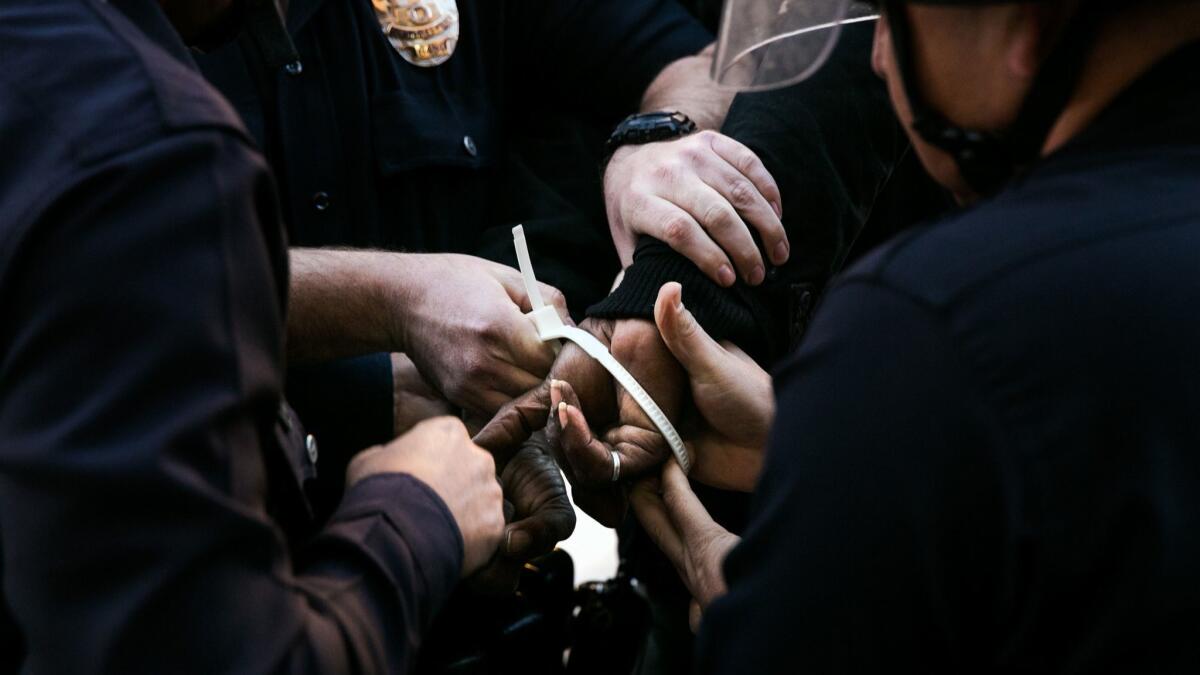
(434, 126)
(1020, 491)
(151, 505)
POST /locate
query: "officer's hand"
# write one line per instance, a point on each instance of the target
(680, 525)
(439, 453)
(731, 394)
(414, 400)
(700, 194)
(464, 327)
(540, 514)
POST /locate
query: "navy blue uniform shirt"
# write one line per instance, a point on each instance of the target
(986, 456)
(151, 513)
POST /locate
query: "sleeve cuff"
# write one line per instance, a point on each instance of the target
(421, 532)
(721, 311)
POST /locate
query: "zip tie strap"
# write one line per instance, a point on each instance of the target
(550, 327)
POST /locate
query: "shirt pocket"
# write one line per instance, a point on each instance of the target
(416, 132)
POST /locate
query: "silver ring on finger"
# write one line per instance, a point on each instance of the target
(616, 462)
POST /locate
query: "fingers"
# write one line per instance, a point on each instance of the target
(555, 298)
(719, 218)
(590, 460)
(539, 533)
(673, 225)
(605, 501)
(520, 345)
(690, 517)
(514, 285)
(748, 164)
(514, 423)
(641, 451)
(652, 514)
(480, 516)
(695, 350)
(722, 464)
(543, 512)
(510, 381)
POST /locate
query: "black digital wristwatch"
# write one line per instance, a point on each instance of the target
(651, 127)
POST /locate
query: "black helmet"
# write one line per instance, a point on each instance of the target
(765, 44)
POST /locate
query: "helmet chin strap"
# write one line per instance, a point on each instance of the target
(988, 159)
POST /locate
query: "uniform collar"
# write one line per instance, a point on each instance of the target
(148, 16)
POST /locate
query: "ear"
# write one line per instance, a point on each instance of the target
(1034, 29)
(881, 46)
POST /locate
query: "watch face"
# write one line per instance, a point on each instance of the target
(424, 32)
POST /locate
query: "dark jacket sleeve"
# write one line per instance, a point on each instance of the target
(143, 339)
(876, 537)
(832, 143)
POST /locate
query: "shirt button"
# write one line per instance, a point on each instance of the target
(469, 144)
(310, 444)
(321, 201)
(295, 68)
(772, 273)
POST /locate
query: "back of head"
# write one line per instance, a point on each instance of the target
(982, 86)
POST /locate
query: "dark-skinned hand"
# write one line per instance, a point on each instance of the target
(537, 509)
(626, 429)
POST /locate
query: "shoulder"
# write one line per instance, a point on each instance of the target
(1043, 227)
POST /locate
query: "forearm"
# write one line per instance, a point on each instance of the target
(831, 144)
(343, 303)
(685, 85)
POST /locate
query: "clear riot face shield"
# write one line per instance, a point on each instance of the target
(767, 44)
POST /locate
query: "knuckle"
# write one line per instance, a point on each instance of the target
(636, 201)
(665, 171)
(677, 231)
(444, 425)
(718, 216)
(491, 332)
(693, 154)
(745, 161)
(485, 464)
(474, 367)
(742, 194)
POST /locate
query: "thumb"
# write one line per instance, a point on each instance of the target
(695, 350)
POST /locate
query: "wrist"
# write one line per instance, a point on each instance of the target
(399, 286)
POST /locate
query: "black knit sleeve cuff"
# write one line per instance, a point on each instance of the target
(723, 312)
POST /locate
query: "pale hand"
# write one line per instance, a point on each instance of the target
(464, 326)
(732, 397)
(439, 453)
(699, 194)
(682, 528)
(414, 400)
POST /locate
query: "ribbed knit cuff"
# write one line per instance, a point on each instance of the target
(721, 311)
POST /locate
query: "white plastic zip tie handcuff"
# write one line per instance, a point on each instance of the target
(551, 327)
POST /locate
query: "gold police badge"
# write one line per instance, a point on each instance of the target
(425, 32)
